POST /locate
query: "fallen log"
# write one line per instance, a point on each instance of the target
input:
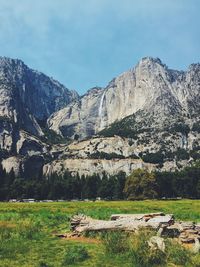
(144, 217)
(186, 232)
(82, 223)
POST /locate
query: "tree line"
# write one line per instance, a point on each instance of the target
(66, 186)
(141, 184)
(185, 183)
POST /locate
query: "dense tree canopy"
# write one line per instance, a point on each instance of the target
(140, 185)
(66, 186)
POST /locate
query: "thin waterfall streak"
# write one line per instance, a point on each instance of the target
(101, 104)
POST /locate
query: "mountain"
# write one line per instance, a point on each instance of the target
(147, 117)
(150, 87)
(27, 99)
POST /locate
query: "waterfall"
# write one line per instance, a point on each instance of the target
(101, 108)
(184, 141)
(24, 87)
(22, 92)
(101, 104)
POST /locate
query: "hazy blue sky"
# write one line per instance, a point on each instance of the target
(84, 43)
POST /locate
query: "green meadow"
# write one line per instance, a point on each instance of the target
(28, 235)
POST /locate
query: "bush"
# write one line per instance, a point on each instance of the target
(75, 254)
(133, 156)
(180, 128)
(182, 154)
(44, 264)
(196, 127)
(104, 155)
(155, 158)
(195, 154)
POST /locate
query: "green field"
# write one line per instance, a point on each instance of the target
(28, 231)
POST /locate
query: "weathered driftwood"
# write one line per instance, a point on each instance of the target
(132, 223)
(144, 217)
(186, 232)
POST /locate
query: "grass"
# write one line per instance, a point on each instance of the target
(75, 254)
(134, 248)
(27, 235)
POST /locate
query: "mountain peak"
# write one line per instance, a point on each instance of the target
(150, 63)
(10, 61)
(194, 67)
(151, 60)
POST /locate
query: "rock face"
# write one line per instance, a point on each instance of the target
(27, 99)
(92, 166)
(150, 87)
(28, 96)
(29, 156)
(148, 117)
(115, 154)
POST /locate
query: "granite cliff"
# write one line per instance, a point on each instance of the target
(146, 117)
(27, 99)
(150, 88)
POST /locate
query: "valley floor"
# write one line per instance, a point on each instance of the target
(28, 231)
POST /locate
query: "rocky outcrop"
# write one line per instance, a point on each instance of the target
(29, 157)
(29, 167)
(12, 163)
(28, 145)
(94, 166)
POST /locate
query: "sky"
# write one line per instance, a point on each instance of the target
(86, 43)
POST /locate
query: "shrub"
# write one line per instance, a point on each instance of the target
(180, 128)
(75, 254)
(133, 156)
(155, 158)
(196, 127)
(104, 155)
(182, 154)
(44, 264)
(195, 154)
